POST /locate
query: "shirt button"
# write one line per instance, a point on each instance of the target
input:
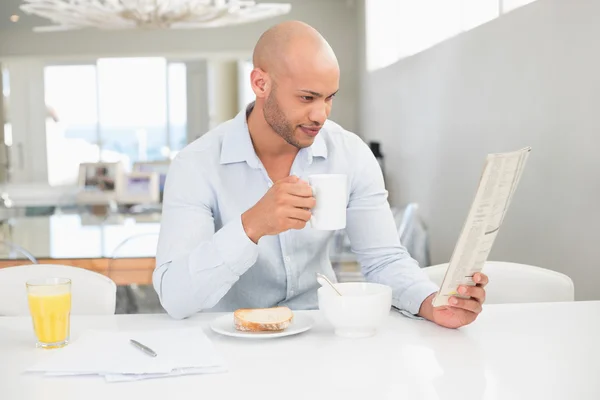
(287, 259)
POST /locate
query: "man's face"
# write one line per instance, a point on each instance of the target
(300, 101)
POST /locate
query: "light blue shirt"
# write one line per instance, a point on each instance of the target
(206, 262)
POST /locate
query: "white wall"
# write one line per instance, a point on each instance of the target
(335, 19)
(530, 77)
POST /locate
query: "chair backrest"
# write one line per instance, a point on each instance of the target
(517, 283)
(134, 298)
(139, 245)
(92, 293)
(413, 234)
(142, 244)
(407, 218)
(15, 248)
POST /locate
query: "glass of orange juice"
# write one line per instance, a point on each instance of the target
(50, 308)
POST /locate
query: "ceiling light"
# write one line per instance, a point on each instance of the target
(151, 14)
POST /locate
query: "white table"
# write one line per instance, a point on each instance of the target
(535, 351)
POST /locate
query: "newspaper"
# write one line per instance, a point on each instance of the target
(500, 177)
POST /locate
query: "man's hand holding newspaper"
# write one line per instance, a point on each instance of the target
(460, 311)
(462, 292)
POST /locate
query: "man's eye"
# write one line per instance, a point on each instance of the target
(307, 98)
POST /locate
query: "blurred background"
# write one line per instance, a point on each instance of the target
(432, 85)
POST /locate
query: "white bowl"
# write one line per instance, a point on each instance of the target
(359, 311)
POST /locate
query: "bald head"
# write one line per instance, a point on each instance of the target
(295, 77)
(284, 45)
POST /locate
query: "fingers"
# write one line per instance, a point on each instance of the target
(296, 223)
(302, 202)
(475, 292)
(298, 213)
(286, 199)
(480, 279)
(294, 185)
(300, 188)
(466, 304)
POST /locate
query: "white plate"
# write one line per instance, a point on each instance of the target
(225, 326)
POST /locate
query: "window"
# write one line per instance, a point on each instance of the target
(509, 5)
(478, 12)
(71, 121)
(396, 29)
(117, 109)
(132, 97)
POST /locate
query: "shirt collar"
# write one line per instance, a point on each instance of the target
(237, 144)
(319, 147)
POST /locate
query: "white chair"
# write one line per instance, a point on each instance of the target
(15, 248)
(517, 283)
(413, 234)
(134, 298)
(91, 292)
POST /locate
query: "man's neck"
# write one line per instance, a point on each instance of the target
(276, 155)
(267, 143)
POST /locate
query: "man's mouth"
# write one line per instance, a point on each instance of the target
(311, 130)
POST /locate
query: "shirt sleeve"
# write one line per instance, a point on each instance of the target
(374, 237)
(196, 266)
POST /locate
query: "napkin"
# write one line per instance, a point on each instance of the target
(110, 354)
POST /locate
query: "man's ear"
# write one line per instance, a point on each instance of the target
(261, 82)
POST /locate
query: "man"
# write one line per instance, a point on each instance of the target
(236, 203)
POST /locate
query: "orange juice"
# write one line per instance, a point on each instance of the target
(50, 308)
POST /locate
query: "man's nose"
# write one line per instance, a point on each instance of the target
(319, 114)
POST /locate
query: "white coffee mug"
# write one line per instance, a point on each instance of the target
(330, 191)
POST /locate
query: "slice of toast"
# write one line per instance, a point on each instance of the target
(262, 319)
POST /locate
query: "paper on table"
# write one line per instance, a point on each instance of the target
(501, 175)
(176, 372)
(110, 354)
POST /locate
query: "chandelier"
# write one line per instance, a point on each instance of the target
(151, 14)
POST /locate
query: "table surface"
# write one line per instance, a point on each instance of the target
(518, 351)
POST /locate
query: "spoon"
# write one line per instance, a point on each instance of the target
(322, 279)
